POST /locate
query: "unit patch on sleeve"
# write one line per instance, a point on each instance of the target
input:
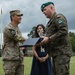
(60, 21)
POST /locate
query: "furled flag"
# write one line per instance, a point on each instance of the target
(1, 11)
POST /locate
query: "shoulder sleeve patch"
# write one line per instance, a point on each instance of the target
(60, 21)
(12, 32)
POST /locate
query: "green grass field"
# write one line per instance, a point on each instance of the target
(28, 62)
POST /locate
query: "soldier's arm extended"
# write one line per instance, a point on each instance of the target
(62, 29)
(12, 35)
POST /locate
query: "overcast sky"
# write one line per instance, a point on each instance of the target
(32, 13)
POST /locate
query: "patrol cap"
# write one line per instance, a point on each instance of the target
(46, 4)
(15, 12)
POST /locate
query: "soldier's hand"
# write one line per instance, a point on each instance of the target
(20, 38)
(45, 40)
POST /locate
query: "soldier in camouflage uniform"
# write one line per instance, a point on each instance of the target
(11, 54)
(57, 39)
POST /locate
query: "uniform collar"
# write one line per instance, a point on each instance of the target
(53, 16)
(10, 26)
(50, 21)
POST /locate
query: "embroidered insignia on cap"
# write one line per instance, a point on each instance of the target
(43, 6)
(60, 21)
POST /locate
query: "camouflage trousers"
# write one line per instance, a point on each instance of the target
(13, 67)
(61, 65)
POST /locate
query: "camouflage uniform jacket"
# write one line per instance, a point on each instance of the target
(57, 29)
(11, 49)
